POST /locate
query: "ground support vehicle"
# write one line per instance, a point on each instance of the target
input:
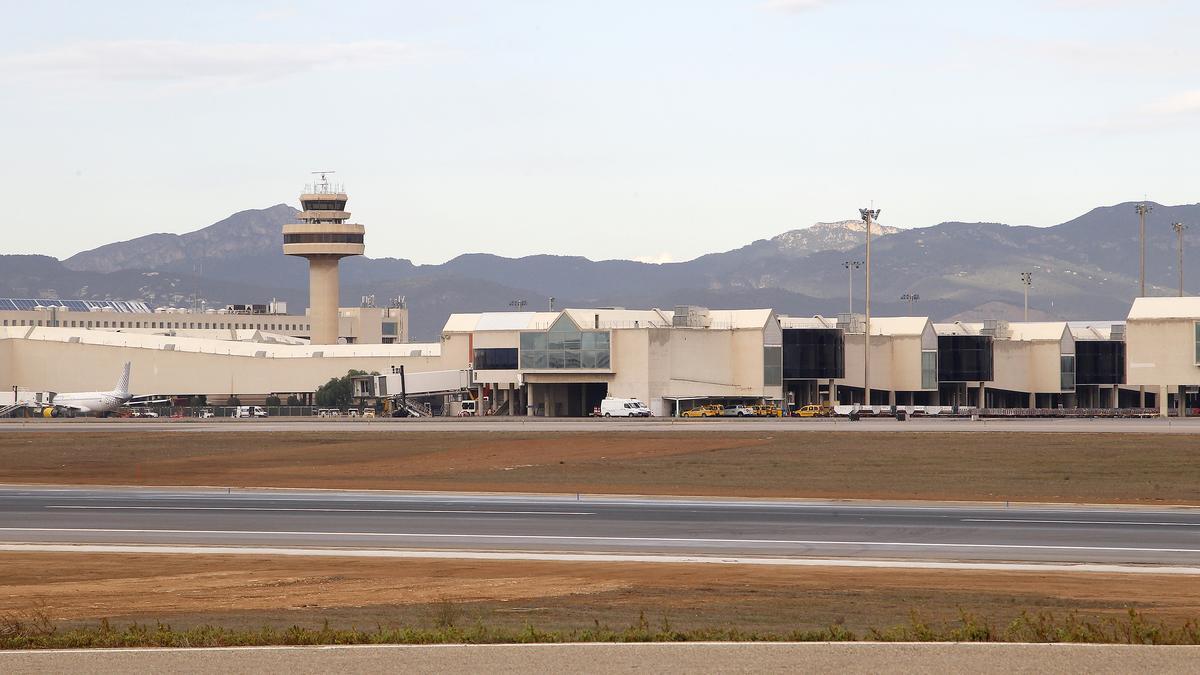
(623, 407)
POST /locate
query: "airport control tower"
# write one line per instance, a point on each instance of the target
(324, 237)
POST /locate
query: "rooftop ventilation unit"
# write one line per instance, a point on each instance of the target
(851, 323)
(691, 316)
(1117, 332)
(996, 328)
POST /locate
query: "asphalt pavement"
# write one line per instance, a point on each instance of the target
(583, 524)
(622, 658)
(1190, 425)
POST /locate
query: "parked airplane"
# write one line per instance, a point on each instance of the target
(98, 402)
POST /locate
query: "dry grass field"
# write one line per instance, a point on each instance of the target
(254, 591)
(1108, 467)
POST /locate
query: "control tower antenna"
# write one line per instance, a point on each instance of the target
(324, 181)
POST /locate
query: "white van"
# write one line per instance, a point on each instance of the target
(623, 407)
(250, 411)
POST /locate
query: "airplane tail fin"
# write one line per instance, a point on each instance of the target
(122, 387)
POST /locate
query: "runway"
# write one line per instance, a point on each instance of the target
(562, 424)
(584, 524)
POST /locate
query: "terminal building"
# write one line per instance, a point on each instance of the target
(365, 324)
(562, 364)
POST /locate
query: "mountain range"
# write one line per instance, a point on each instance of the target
(1085, 268)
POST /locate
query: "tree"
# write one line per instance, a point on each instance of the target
(198, 401)
(273, 400)
(233, 401)
(338, 392)
(292, 400)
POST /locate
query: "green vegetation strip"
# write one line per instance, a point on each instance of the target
(36, 632)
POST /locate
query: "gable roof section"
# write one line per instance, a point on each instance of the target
(1165, 308)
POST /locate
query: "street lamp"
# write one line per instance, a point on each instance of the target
(1142, 209)
(868, 216)
(911, 299)
(1027, 281)
(851, 266)
(1179, 228)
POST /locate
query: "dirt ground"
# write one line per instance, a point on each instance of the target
(1118, 468)
(252, 591)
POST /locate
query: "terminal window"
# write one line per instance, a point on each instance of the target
(1067, 371)
(565, 347)
(498, 358)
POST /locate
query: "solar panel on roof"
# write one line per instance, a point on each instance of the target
(120, 306)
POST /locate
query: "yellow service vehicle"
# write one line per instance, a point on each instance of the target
(703, 411)
(814, 411)
(767, 410)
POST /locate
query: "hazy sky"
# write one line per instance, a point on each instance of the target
(656, 130)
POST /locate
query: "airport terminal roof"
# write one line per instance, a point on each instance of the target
(899, 325)
(1168, 307)
(1093, 330)
(117, 306)
(740, 318)
(620, 318)
(213, 346)
(603, 317)
(793, 322)
(1037, 330)
(959, 328)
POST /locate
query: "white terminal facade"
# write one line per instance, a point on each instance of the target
(564, 363)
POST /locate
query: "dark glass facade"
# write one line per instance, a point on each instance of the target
(323, 238)
(319, 205)
(813, 354)
(965, 358)
(1099, 362)
(499, 358)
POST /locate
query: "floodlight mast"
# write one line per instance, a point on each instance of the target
(1027, 281)
(1179, 228)
(911, 299)
(1142, 209)
(868, 216)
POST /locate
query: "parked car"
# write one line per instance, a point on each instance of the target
(814, 410)
(738, 411)
(712, 410)
(623, 407)
(205, 414)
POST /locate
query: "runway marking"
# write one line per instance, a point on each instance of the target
(566, 537)
(1076, 522)
(265, 508)
(602, 557)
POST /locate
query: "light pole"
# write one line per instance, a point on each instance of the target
(911, 299)
(1179, 228)
(851, 266)
(1142, 209)
(868, 216)
(519, 304)
(552, 303)
(1027, 281)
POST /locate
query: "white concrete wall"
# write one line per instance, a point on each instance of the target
(1161, 352)
(63, 366)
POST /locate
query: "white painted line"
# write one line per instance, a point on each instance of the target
(1076, 522)
(264, 508)
(567, 537)
(596, 557)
